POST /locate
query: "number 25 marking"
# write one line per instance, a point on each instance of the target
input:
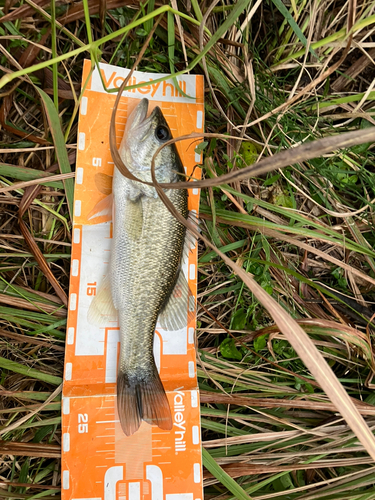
(83, 426)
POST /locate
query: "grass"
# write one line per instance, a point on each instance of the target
(304, 233)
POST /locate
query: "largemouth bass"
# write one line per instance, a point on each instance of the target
(145, 267)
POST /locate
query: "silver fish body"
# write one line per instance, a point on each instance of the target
(146, 254)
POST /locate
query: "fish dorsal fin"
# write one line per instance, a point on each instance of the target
(190, 243)
(102, 209)
(101, 310)
(190, 238)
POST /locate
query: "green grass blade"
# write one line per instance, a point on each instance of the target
(297, 30)
(43, 494)
(150, 8)
(93, 47)
(35, 396)
(230, 216)
(54, 54)
(227, 248)
(197, 10)
(87, 20)
(7, 364)
(27, 174)
(12, 314)
(41, 423)
(223, 477)
(171, 41)
(228, 430)
(336, 36)
(61, 153)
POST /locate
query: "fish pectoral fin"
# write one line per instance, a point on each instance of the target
(173, 316)
(102, 310)
(102, 209)
(134, 218)
(142, 398)
(103, 183)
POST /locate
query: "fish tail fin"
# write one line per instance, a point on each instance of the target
(142, 399)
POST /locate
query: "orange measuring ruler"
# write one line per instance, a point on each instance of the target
(98, 461)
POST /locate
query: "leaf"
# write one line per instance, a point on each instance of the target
(229, 350)
(141, 32)
(60, 147)
(161, 58)
(260, 342)
(283, 200)
(308, 388)
(271, 180)
(239, 320)
(201, 147)
(283, 483)
(362, 148)
(249, 152)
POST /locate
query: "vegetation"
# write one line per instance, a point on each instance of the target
(287, 259)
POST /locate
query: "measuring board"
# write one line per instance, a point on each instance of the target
(98, 461)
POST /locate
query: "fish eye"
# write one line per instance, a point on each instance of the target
(162, 133)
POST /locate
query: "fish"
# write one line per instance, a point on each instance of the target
(145, 283)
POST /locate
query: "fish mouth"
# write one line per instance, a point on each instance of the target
(140, 127)
(138, 116)
(138, 119)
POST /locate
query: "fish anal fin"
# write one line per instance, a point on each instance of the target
(142, 399)
(102, 209)
(101, 310)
